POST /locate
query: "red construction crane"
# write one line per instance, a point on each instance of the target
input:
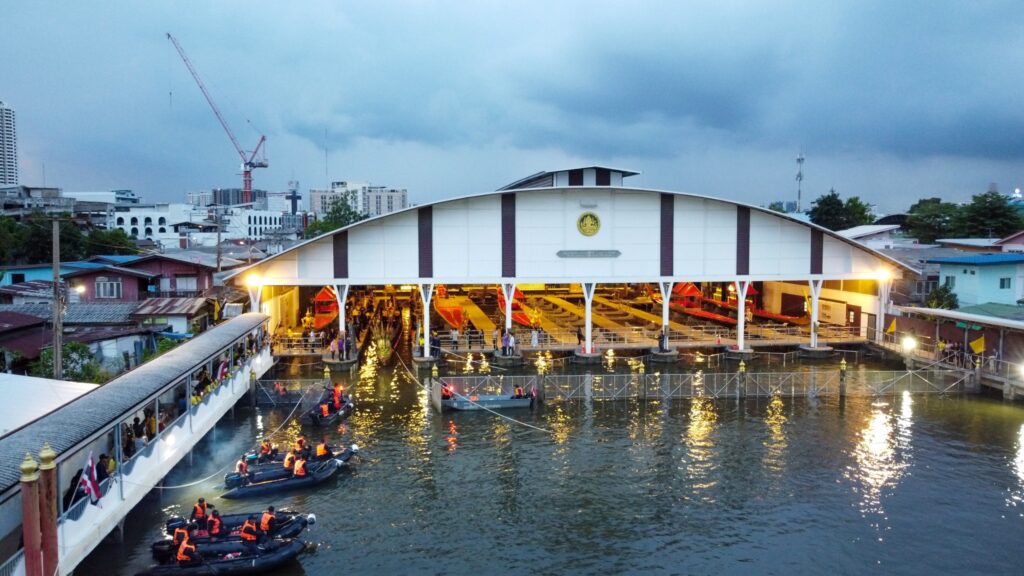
(249, 161)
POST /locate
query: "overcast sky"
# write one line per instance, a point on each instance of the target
(889, 101)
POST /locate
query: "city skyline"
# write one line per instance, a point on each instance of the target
(887, 102)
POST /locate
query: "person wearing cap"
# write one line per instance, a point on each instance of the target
(199, 511)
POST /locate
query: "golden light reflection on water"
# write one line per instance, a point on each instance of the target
(882, 454)
(560, 424)
(468, 367)
(452, 438)
(699, 464)
(609, 360)
(542, 362)
(776, 443)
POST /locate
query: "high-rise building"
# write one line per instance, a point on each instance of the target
(363, 197)
(235, 197)
(8, 146)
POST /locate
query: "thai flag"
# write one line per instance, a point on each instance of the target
(88, 482)
(222, 372)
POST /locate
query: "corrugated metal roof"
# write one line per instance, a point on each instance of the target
(34, 288)
(112, 269)
(23, 402)
(79, 312)
(982, 259)
(858, 232)
(76, 421)
(169, 307)
(11, 321)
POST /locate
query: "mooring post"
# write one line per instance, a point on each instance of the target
(842, 378)
(48, 508)
(30, 533)
(741, 386)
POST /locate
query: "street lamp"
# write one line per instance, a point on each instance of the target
(909, 344)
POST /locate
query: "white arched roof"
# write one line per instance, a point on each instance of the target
(532, 236)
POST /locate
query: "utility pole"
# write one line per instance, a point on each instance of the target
(58, 306)
(799, 179)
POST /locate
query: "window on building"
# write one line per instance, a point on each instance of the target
(950, 282)
(149, 221)
(120, 220)
(163, 230)
(575, 177)
(107, 287)
(135, 221)
(185, 283)
(149, 231)
(1004, 283)
(135, 231)
(162, 221)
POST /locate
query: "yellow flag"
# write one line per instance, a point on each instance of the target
(978, 345)
(892, 327)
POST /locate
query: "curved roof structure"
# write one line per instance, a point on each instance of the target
(569, 234)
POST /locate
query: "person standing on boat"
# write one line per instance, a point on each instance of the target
(249, 533)
(199, 511)
(268, 522)
(214, 526)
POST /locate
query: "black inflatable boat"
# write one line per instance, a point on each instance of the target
(239, 559)
(289, 525)
(316, 417)
(318, 472)
(276, 471)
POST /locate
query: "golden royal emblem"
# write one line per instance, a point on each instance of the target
(588, 224)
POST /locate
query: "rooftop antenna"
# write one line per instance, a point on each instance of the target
(799, 179)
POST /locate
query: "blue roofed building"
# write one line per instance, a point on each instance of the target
(983, 278)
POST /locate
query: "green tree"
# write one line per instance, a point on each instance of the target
(858, 212)
(77, 361)
(340, 214)
(829, 211)
(108, 242)
(11, 240)
(777, 207)
(989, 215)
(942, 297)
(37, 242)
(163, 345)
(930, 219)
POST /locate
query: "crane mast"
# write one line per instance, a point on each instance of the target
(249, 161)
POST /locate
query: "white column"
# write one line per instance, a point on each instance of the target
(588, 299)
(509, 290)
(884, 286)
(255, 295)
(341, 295)
(666, 296)
(741, 313)
(426, 293)
(815, 295)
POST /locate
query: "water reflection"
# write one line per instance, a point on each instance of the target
(452, 438)
(882, 453)
(560, 424)
(776, 443)
(1016, 497)
(699, 462)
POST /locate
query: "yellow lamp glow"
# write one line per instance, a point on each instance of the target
(80, 288)
(909, 343)
(253, 280)
(884, 274)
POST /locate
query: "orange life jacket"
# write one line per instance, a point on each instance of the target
(213, 526)
(248, 532)
(289, 461)
(321, 450)
(266, 520)
(300, 468)
(325, 410)
(242, 467)
(180, 536)
(265, 448)
(300, 445)
(184, 550)
(200, 511)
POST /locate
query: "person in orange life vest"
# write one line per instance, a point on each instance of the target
(446, 392)
(268, 522)
(266, 450)
(325, 410)
(519, 392)
(338, 390)
(241, 466)
(289, 460)
(300, 467)
(214, 526)
(187, 553)
(199, 510)
(249, 533)
(181, 535)
(300, 443)
(323, 450)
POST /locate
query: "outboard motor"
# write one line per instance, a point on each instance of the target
(233, 480)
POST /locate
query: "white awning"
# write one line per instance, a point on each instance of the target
(964, 317)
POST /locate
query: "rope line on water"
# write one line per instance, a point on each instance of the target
(226, 466)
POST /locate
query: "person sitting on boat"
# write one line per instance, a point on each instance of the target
(289, 460)
(325, 409)
(199, 511)
(187, 553)
(300, 467)
(279, 389)
(181, 534)
(323, 449)
(266, 450)
(300, 443)
(519, 392)
(447, 392)
(214, 526)
(249, 533)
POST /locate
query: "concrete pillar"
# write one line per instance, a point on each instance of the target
(509, 291)
(48, 508)
(588, 299)
(30, 517)
(815, 296)
(341, 293)
(741, 313)
(255, 296)
(666, 298)
(426, 294)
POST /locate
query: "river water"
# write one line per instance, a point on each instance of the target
(906, 484)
